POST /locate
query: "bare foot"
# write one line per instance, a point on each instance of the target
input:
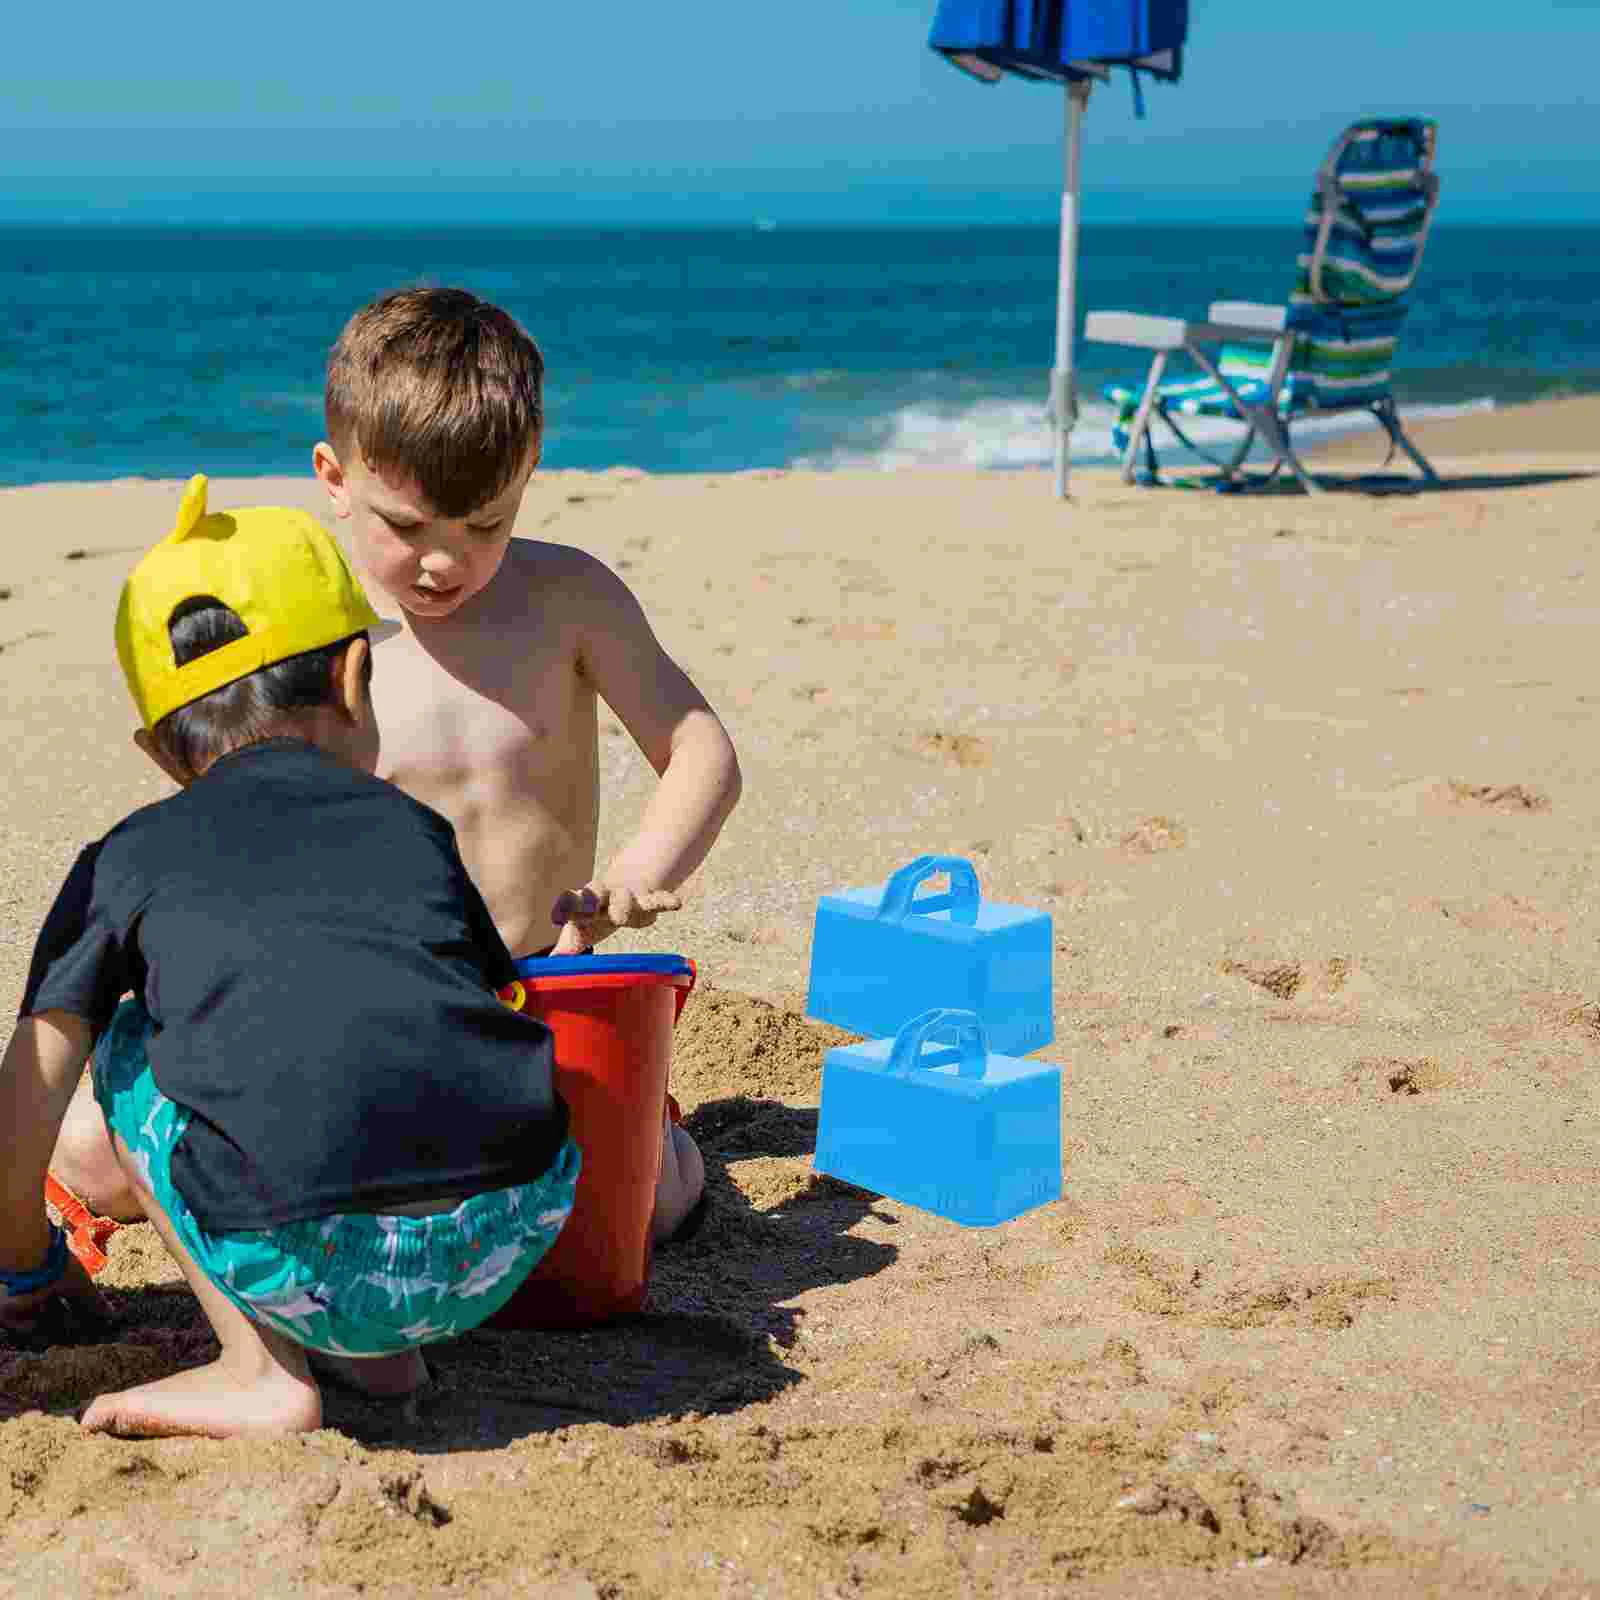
(378, 1377)
(682, 1182)
(213, 1401)
(259, 1384)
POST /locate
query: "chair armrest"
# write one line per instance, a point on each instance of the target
(1163, 333)
(1247, 314)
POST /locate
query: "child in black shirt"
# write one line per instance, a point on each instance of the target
(351, 1147)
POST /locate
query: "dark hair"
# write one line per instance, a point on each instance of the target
(440, 387)
(250, 708)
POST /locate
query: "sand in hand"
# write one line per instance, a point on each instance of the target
(1307, 788)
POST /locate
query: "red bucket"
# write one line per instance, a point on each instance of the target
(612, 1019)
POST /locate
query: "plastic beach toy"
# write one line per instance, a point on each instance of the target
(87, 1234)
(612, 1018)
(972, 1136)
(880, 956)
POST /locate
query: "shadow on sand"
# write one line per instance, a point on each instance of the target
(1374, 483)
(711, 1337)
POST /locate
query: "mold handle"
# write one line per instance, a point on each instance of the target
(905, 1055)
(961, 902)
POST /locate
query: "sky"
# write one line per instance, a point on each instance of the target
(831, 110)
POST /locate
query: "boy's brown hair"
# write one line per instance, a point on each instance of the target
(441, 388)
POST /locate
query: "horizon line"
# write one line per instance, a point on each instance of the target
(755, 224)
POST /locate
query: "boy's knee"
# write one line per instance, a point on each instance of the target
(85, 1160)
(682, 1167)
(690, 1163)
(83, 1133)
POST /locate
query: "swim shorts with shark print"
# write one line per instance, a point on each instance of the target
(353, 1284)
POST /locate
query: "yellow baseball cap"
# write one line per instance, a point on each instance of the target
(278, 569)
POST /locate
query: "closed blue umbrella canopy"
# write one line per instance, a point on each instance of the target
(1061, 39)
(1071, 42)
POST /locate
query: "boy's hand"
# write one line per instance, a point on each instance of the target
(595, 912)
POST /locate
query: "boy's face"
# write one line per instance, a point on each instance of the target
(428, 565)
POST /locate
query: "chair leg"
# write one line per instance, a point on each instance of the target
(1140, 432)
(1385, 412)
(1277, 432)
(1263, 419)
(1231, 471)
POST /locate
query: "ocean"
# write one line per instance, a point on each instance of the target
(162, 351)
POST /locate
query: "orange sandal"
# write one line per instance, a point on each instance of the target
(87, 1234)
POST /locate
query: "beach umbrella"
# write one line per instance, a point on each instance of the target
(1073, 43)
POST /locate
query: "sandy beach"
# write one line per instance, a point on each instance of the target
(1311, 790)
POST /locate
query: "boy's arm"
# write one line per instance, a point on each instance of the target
(40, 1070)
(679, 734)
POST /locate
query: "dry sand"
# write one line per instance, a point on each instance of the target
(1309, 789)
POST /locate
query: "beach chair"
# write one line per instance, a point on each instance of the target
(1328, 350)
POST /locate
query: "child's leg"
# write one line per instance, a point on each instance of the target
(682, 1181)
(260, 1383)
(378, 1377)
(86, 1163)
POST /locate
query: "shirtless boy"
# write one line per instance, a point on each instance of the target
(489, 698)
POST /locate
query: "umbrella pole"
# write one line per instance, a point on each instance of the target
(1063, 397)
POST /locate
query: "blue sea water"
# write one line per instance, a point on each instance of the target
(162, 351)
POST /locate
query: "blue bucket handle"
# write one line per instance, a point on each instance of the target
(961, 902)
(972, 1044)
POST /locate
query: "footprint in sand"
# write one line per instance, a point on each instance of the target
(1286, 979)
(1513, 797)
(1583, 1016)
(1434, 794)
(964, 749)
(861, 632)
(1330, 990)
(1170, 1288)
(1400, 1076)
(1154, 835)
(1505, 913)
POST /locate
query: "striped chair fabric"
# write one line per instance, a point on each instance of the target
(1365, 234)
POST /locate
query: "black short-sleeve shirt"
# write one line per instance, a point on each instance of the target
(321, 972)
